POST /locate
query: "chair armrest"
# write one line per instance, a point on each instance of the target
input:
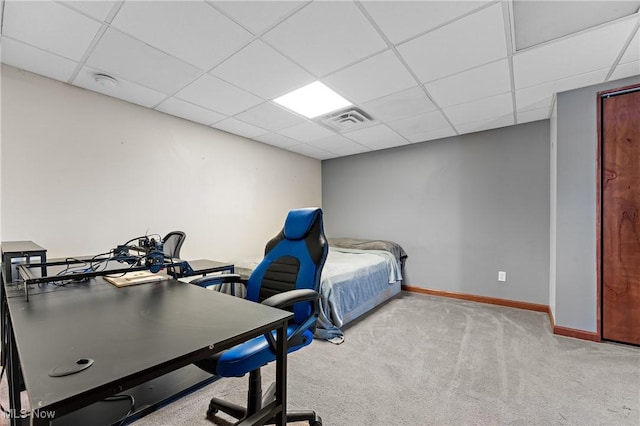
(208, 280)
(291, 297)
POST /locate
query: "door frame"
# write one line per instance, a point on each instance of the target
(600, 97)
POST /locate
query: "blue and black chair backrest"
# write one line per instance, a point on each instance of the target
(293, 260)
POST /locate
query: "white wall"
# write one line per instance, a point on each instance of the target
(82, 172)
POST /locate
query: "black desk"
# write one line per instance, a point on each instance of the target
(133, 334)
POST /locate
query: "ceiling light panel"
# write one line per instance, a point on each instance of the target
(35, 60)
(49, 26)
(122, 89)
(477, 83)
(328, 35)
(217, 95)
(372, 78)
(262, 71)
(400, 20)
(471, 41)
(190, 30)
(269, 116)
(124, 57)
(405, 103)
(537, 22)
(189, 111)
(257, 16)
(312, 100)
(574, 55)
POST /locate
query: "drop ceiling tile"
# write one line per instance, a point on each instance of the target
(477, 83)
(419, 124)
(190, 30)
(633, 50)
(400, 20)
(328, 35)
(541, 95)
(217, 95)
(311, 151)
(339, 145)
(372, 78)
(306, 132)
(481, 110)
(488, 124)
(35, 60)
(269, 116)
(533, 115)
(188, 111)
(262, 71)
(98, 9)
(132, 60)
(124, 90)
(405, 103)
(257, 16)
(588, 51)
(432, 135)
(238, 127)
(628, 69)
(277, 140)
(377, 137)
(537, 22)
(49, 26)
(471, 41)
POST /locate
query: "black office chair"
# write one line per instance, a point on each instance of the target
(287, 277)
(172, 243)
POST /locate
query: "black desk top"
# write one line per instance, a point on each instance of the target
(130, 333)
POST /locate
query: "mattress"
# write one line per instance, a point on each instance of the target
(354, 281)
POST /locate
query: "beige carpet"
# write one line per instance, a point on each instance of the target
(424, 360)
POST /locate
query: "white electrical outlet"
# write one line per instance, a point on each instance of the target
(502, 276)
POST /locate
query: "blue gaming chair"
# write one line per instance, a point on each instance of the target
(288, 277)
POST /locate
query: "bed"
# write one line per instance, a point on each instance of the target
(357, 276)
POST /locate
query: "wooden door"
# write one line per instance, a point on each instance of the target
(620, 127)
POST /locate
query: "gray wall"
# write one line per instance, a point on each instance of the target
(463, 208)
(576, 287)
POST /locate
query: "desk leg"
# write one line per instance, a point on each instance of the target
(281, 375)
(13, 379)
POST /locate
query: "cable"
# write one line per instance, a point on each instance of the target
(120, 398)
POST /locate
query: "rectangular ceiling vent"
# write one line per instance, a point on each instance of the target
(351, 118)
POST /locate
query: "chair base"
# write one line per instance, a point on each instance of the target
(256, 401)
(240, 413)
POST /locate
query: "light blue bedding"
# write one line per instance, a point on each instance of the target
(350, 280)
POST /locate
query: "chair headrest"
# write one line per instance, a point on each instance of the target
(299, 222)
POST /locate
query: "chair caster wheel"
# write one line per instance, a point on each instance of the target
(211, 411)
(316, 422)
